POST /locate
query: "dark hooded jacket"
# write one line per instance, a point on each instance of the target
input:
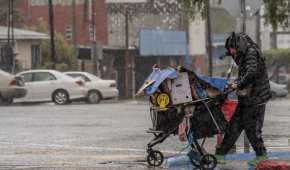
(252, 73)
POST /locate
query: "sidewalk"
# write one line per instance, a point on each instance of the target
(238, 161)
(242, 159)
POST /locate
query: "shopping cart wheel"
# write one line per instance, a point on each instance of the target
(208, 162)
(155, 158)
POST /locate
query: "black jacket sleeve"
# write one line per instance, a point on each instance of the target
(251, 64)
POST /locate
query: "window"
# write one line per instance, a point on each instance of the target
(85, 78)
(68, 32)
(35, 56)
(43, 76)
(6, 58)
(91, 31)
(27, 77)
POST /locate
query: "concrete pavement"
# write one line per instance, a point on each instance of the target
(105, 136)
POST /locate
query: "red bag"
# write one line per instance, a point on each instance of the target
(273, 165)
(228, 108)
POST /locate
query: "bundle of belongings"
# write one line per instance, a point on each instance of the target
(181, 101)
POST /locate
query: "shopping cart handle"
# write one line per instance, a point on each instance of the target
(228, 91)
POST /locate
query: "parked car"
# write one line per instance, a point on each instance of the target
(10, 87)
(281, 78)
(51, 85)
(98, 88)
(278, 90)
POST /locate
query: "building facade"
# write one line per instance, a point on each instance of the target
(138, 15)
(27, 48)
(278, 39)
(75, 19)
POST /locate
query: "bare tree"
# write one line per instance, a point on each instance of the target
(4, 4)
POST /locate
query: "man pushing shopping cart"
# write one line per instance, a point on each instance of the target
(180, 95)
(253, 90)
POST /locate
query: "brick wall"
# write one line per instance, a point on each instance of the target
(35, 13)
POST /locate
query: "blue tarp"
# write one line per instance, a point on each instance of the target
(217, 82)
(158, 76)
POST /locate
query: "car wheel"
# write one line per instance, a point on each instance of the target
(94, 97)
(5, 101)
(60, 97)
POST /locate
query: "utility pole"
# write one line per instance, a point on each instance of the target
(258, 28)
(51, 27)
(244, 15)
(74, 36)
(8, 49)
(129, 60)
(127, 57)
(209, 40)
(96, 46)
(12, 36)
(9, 23)
(12, 22)
(74, 31)
(244, 30)
(93, 45)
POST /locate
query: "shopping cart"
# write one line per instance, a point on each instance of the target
(177, 95)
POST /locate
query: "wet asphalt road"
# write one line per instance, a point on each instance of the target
(106, 136)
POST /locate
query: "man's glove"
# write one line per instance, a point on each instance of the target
(234, 86)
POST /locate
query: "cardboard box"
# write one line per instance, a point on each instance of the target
(180, 89)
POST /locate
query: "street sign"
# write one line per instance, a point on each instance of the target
(84, 54)
(163, 43)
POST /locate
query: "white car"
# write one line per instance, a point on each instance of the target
(51, 85)
(98, 88)
(10, 87)
(278, 90)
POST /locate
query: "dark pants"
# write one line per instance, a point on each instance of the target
(250, 119)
